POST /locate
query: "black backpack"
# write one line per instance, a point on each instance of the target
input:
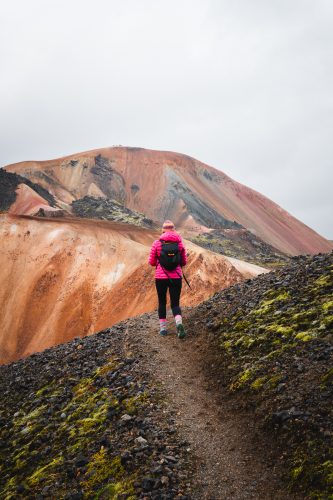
(170, 255)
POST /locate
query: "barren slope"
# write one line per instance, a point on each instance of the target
(165, 184)
(61, 278)
(28, 202)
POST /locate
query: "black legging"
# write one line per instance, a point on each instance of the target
(175, 289)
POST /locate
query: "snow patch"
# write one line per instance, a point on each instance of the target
(113, 276)
(13, 228)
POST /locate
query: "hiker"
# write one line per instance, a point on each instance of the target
(168, 254)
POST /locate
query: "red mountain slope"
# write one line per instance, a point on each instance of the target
(165, 184)
(63, 278)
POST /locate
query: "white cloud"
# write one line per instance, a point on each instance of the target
(245, 86)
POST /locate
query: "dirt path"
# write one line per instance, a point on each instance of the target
(228, 466)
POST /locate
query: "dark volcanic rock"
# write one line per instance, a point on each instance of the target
(8, 185)
(108, 180)
(241, 244)
(109, 209)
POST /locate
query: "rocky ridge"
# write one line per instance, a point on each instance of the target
(109, 209)
(241, 244)
(270, 355)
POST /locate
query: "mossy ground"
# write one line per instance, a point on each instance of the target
(62, 431)
(273, 347)
(73, 428)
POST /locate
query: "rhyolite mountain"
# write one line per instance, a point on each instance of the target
(170, 185)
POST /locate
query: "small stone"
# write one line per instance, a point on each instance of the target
(81, 461)
(169, 458)
(126, 457)
(165, 480)
(147, 483)
(105, 442)
(76, 496)
(63, 415)
(126, 418)
(141, 441)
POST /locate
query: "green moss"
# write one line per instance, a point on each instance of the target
(305, 336)
(102, 468)
(107, 368)
(22, 454)
(280, 329)
(304, 318)
(258, 383)
(327, 378)
(276, 294)
(25, 419)
(316, 477)
(296, 472)
(251, 338)
(241, 380)
(240, 326)
(267, 305)
(83, 386)
(327, 469)
(227, 344)
(274, 381)
(245, 341)
(46, 471)
(10, 486)
(131, 405)
(43, 390)
(327, 306)
(324, 281)
(86, 425)
(327, 321)
(87, 412)
(77, 431)
(113, 491)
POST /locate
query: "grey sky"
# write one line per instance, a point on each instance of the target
(243, 85)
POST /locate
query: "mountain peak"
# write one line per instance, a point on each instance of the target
(165, 184)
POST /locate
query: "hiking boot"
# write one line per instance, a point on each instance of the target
(181, 331)
(164, 332)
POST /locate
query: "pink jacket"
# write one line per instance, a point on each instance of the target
(155, 252)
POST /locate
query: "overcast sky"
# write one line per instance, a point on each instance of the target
(243, 85)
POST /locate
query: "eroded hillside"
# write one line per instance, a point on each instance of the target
(67, 277)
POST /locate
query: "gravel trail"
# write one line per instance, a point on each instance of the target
(229, 463)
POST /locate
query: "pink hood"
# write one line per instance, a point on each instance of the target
(171, 236)
(155, 252)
